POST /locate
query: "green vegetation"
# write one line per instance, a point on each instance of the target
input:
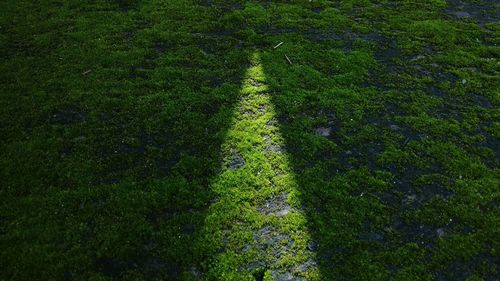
(170, 140)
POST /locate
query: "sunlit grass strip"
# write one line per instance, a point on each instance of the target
(255, 228)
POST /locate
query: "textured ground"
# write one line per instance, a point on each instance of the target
(170, 140)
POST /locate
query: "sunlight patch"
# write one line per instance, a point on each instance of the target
(256, 227)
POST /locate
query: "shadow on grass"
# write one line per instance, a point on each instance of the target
(319, 103)
(113, 181)
(191, 80)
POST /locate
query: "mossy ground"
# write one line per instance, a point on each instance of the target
(168, 139)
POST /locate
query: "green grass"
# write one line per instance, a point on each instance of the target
(169, 140)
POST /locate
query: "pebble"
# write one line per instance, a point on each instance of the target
(323, 131)
(395, 127)
(461, 14)
(236, 162)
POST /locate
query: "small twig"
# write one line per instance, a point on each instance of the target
(288, 59)
(86, 72)
(277, 46)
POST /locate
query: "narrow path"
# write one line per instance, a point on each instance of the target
(257, 222)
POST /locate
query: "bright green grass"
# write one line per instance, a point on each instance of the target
(144, 140)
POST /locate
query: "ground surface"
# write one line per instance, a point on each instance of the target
(168, 139)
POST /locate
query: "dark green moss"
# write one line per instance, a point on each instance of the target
(170, 140)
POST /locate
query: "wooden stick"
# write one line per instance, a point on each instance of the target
(86, 72)
(288, 59)
(276, 47)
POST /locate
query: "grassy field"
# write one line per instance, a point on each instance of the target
(171, 140)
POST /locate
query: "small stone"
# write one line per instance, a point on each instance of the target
(255, 83)
(246, 247)
(461, 14)
(256, 265)
(195, 272)
(323, 131)
(277, 206)
(411, 198)
(306, 266)
(236, 161)
(312, 246)
(440, 232)
(274, 148)
(395, 127)
(283, 212)
(419, 57)
(286, 276)
(376, 236)
(372, 236)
